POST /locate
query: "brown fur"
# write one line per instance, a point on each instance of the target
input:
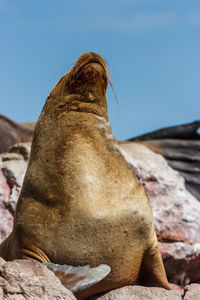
(81, 202)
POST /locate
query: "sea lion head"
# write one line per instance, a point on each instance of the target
(84, 86)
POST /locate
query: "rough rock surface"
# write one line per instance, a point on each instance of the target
(12, 133)
(140, 293)
(176, 212)
(30, 280)
(192, 292)
(12, 170)
(2, 261)
(182, 261)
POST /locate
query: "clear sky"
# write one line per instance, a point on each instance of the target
(152, 48)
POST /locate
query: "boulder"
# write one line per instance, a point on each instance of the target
(182, 261)
(140, 293)
(28, 279)
(6, 218)
(12, 170)
(2, 261)
(12, 133)
(192, 292)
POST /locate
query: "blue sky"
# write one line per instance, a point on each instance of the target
(152, 48)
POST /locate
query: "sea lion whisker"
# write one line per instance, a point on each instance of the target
(115, 94)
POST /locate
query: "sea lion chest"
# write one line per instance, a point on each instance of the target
(90, 206)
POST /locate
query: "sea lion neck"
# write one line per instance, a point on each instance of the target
(62, 105)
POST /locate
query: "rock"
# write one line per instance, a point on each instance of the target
(176, 212)
(140, 293)
(12, 170)
(2, 261)
(192, 292)
(28, 279)
(6, 218)
(12, 133)
(180, 145)
(182, 261)
(21, 148)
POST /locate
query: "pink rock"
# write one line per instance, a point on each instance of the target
(182, 261)
(140, 293)
(2, 262)
(6, 223)
(192, 292)
(12, 132)
(4, 187)
(28, 279)
(12, 170)
(6, 218)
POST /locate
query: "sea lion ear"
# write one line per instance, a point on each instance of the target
(79, 278)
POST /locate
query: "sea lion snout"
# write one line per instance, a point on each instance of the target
(88, 76)
(83, 88)
(91, 72)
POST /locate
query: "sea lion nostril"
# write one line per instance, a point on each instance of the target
(91, 69)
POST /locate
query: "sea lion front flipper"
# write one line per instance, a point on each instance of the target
(79, 278)
(152, 269)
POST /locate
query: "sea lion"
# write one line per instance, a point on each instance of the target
(81, 202)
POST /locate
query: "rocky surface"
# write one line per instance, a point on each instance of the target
(182, 261)
(140, 293)
(180, 146)
(192, 292)
(12, 170)
(2, 261)
(12, 133)
(30, 280)
(176, 211)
